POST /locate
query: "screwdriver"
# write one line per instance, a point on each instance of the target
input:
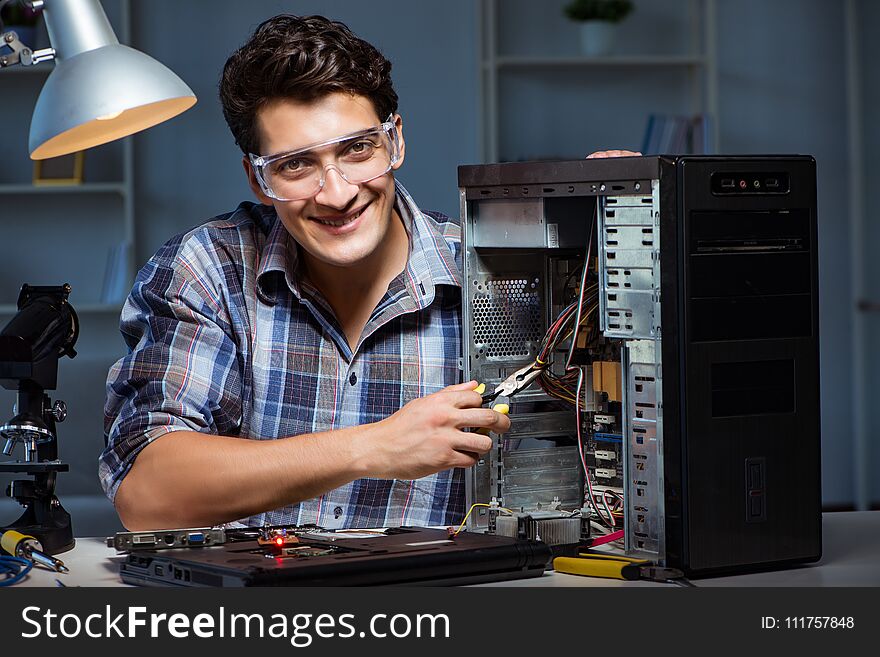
(28, 547)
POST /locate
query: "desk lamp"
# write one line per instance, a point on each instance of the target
(100, 90)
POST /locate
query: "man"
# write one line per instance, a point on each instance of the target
(323, 324)
(297, 361)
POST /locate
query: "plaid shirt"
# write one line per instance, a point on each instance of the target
(224, 339)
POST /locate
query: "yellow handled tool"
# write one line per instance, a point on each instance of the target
(28, 547)
(593, 565)
(504, 409)
(516, 382)
(615, 567)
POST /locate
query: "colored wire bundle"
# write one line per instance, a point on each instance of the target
(14, 569)
(563, 386)
(567, 326)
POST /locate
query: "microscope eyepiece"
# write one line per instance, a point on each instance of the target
(44, 329)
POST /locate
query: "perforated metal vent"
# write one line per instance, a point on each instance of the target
(506, 315)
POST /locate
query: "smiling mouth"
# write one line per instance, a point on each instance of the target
(336, 223)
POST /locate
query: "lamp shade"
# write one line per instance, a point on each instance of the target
(101, 95)
(99, 90)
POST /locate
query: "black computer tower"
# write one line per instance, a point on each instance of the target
(708, 285)
(741, 362)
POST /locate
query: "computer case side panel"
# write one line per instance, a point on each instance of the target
(671, 272)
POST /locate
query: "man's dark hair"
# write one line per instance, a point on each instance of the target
(302, 58)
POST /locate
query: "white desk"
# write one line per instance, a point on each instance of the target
(851, 558)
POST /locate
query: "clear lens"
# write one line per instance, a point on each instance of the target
(358, 158)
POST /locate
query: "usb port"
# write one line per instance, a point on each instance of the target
(771, 183)
(728, 183)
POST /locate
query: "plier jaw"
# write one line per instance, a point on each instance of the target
(516, 382)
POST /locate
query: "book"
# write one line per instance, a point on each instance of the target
(677, 135)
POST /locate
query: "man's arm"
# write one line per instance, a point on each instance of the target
(190, 479)
(612, 153)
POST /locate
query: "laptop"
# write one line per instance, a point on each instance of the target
(317, 557)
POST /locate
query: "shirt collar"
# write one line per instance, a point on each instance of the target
(278, 260)
(431, 261)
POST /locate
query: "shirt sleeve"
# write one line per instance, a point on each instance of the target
(182, 372)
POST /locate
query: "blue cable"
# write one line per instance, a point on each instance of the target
(15, 569)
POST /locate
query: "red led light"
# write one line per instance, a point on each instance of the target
(279, 541)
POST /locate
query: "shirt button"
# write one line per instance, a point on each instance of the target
(353, 378)
(337, 512)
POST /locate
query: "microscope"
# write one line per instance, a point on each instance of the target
(44, 329)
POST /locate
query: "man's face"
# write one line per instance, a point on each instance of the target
(343, 224)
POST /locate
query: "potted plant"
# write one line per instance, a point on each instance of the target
(598, 19)
(19, 17)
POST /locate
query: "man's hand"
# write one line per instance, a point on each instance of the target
(426, 435)
(612, 154)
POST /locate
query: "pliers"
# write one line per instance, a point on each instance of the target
(516, 382)
(614, 566)
(519, 380)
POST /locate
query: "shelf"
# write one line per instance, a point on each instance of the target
(85, 188)
(521, 76)
(81, 309)
(629, 60)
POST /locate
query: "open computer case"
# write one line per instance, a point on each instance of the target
(694, 357)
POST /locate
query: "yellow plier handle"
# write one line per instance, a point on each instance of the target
(502, 408)
(595, 565)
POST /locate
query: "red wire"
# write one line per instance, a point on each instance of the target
(608, 538)
(554, 329)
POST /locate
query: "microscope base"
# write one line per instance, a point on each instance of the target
(44, 518)
(49, 525)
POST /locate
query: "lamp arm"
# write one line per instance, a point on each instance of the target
(21, 54)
